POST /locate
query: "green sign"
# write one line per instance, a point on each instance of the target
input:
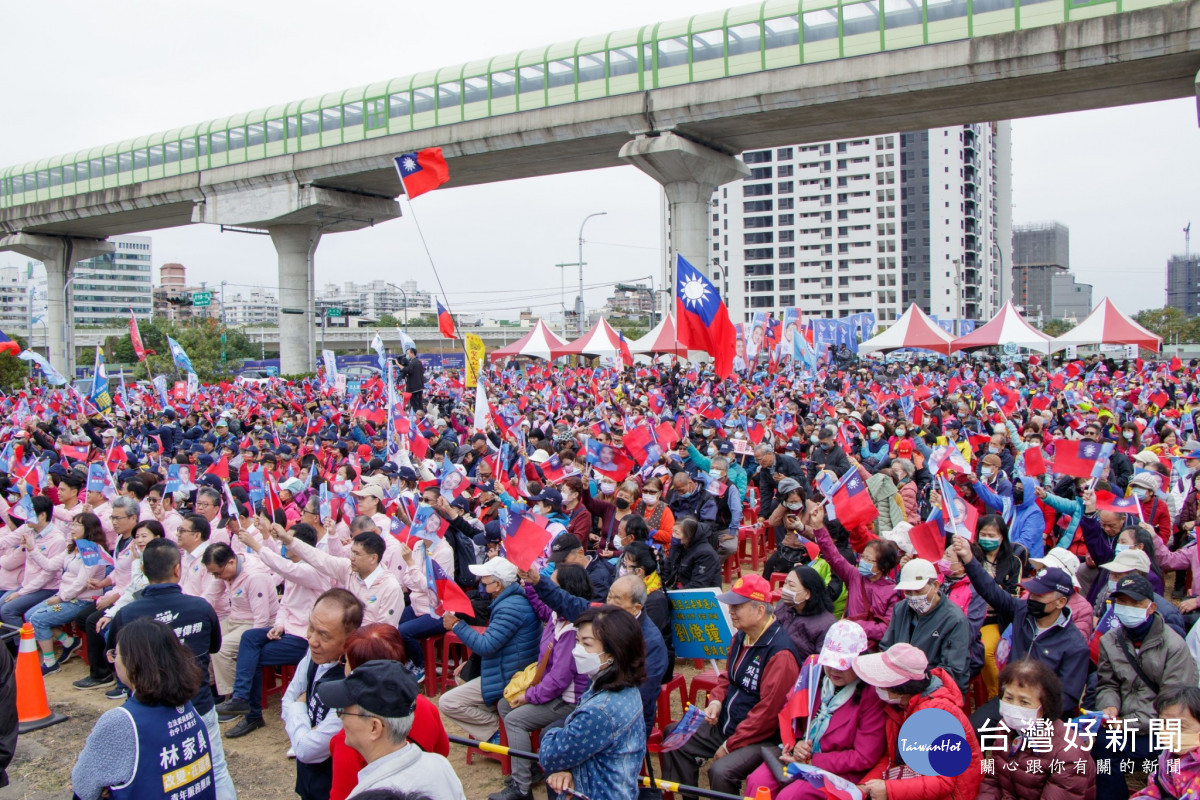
(201, 299)
(333, 312)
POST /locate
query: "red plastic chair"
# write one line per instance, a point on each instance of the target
(271, 687)
(731, 568)
(704, 682)
(454, 652)
(505, 761)
(663, 717)
(429, 647)
(750, 545)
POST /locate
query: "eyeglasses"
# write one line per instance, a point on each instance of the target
(122, 516)
(185, 530)
(356, 714)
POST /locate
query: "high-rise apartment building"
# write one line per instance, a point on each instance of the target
(1183, 283)
(1043, 286)
(108, 286)
(375, 298)
(256, 307)
(869, 225)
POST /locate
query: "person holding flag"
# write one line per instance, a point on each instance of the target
(927, 619)
(85, 564)
(844, 724)
(412, 369)
(45, 552)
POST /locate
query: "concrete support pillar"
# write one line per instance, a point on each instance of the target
(295, 246)
(59, 254)
(689, 173)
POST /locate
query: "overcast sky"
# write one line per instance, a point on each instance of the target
(85, 74)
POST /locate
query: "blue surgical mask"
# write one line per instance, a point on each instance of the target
(866, 568)
(1121, 548)
(1131, 616)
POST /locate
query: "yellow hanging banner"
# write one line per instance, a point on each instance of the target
(475, 355)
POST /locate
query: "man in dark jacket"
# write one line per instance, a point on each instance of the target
(929, 621)
(566, 549)
(827, 455)
(195, 624)
(1060, 645)
(689, 499)
(413, 372)
(772, 468)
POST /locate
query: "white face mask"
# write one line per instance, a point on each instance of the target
(920, 604)
(885, 697)
(586, 663)
(1131, 616)
(650, 499)
(1018, 718)
(608, 488)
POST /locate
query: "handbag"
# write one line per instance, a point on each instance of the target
(530, 676)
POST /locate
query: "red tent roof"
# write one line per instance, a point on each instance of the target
(1107, 325)
(601, 340)
(1007, 326)
(538, 343)
(914, 329)
(662, 339)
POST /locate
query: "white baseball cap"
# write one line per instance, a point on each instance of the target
(915, 575)
(499, 568)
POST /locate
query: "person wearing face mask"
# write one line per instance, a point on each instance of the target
(787, 519)
(599, 749)
(1182, 703)
(805, 610)
(846, 734)
(692, 562)
(728, 500)
(827, 454)
(908, 682)
(901, 444)
(658, 515)
(874, 452)
(507, 645)
(927, 620)
(871, 594)
(565, 549)
(1137, 659)
(1029, 691)
(602, 509)
(1041, 625)
(1134, 561)
(953, 574)
(639, 561)
(1145, 486)
(734, 472)
(992, 487)
(688, 498)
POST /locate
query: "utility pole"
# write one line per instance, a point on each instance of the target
(224, 325)
(563, 282)
(579, 306)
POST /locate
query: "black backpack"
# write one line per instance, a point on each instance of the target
(464, 558)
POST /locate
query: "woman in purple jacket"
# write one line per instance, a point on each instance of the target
(555, 690)
(847, 732)
(870, 591)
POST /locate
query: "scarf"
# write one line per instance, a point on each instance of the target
(831, 701)
(653, 582)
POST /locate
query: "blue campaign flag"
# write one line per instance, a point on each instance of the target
(179, 356)
(99, 394)
(93, 554)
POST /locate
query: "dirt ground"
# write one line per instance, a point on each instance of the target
(41, 769)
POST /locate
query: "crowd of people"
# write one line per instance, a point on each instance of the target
(1010, 544)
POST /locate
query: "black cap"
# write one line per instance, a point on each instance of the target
(381, 687)
(1135, 587)
(407, 473)
(493, 532)
(374, 464)
(564, 544)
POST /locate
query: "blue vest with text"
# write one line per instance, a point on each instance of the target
(173, 761)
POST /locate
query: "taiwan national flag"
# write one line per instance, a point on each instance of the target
(701, 318)
(450, 598)
(422, 171)
(802, 701)
(1107, 501)
(852, 502)
(1080, 458)
(7, 345)
(445, 322)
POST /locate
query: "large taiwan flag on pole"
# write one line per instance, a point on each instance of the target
(701, 319)
(445, 322)
(422, 171)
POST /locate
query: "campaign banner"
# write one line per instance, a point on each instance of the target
(474, 357)
(700, 623)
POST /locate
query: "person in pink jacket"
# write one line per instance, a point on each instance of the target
(870, 591)
(45, 551)
(248, 601)
(70, 499)
(194, 579)
(162, 508)
(12, 555)
(362, 573)
(846, 733)
(81, 567)
(286, 641)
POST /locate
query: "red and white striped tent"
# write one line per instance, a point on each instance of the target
(1107, 325)
(538, 343)
(600, 341)
(914, 329)
(662, 339)
(1007, 327)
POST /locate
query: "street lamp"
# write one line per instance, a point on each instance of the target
(397, 288)
(68, 349)
(579, 305)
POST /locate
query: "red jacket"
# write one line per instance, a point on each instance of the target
(943, 694)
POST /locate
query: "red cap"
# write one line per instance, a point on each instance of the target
(745, 589)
